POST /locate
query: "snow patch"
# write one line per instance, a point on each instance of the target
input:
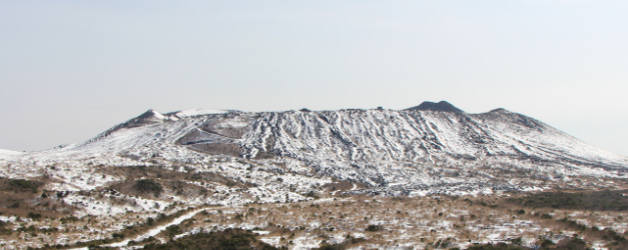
(9, 154)
(198, 111)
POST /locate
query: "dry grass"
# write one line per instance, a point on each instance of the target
(26, 198)
(426, 222)
(369, 222)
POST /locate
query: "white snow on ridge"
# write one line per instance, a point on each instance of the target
(198, 111)
(8, 154)
(158, 115)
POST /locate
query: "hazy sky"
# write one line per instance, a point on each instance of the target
(71, 69)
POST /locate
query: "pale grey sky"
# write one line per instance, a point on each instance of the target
(71, 69)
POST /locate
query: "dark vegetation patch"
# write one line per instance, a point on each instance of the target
(3, 228)
(228, 239)
(374, 228)
(145, 186)
(153, 181)
(347, 243)
(498, 246)
(20, 185)
(161, 173)
(614, 239)
(25, 198)
(589, 200)
(585, 200)
(173, 230)
(570, 243)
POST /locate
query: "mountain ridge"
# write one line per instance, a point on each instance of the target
(433, 147)
(440, 108)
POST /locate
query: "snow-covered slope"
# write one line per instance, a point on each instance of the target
(428, 148)
(6, 154)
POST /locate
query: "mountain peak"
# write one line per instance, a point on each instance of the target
(442, 106)
(499, 110)
(150, 114)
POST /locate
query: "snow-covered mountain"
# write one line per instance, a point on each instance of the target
(433, 147)
(181, 164)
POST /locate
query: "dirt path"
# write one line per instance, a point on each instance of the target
(158, 229)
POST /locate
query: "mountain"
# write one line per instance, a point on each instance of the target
(430, 148)
(164, 174)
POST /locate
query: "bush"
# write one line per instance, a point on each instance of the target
(516, 241)
(150, 221)
(148, 186)
(312, 194)
(572, 244)
(3, 229)
(23, 185)
(326, 246)
(374, 228)
(173, 230)
(598, 200)
(228, 239)
(500, 246)
(34, 216)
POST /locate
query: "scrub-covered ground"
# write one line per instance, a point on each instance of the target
(550, 220)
